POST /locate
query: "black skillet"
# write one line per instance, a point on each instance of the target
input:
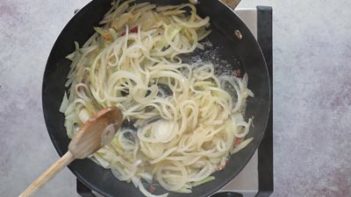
(233, 43)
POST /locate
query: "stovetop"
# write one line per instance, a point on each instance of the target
(256, 179)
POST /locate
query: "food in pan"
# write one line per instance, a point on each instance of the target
(183, 121)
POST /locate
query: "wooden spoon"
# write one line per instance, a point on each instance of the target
(231, 3)
(95, 133)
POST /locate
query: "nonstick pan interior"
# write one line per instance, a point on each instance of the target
(228, 52)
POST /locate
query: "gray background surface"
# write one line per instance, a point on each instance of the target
(312, 95)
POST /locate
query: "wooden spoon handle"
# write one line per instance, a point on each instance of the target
(48, 174)
(231, 3)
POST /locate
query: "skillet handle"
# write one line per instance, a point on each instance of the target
(231, 3)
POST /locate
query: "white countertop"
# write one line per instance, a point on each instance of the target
(312, 95)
